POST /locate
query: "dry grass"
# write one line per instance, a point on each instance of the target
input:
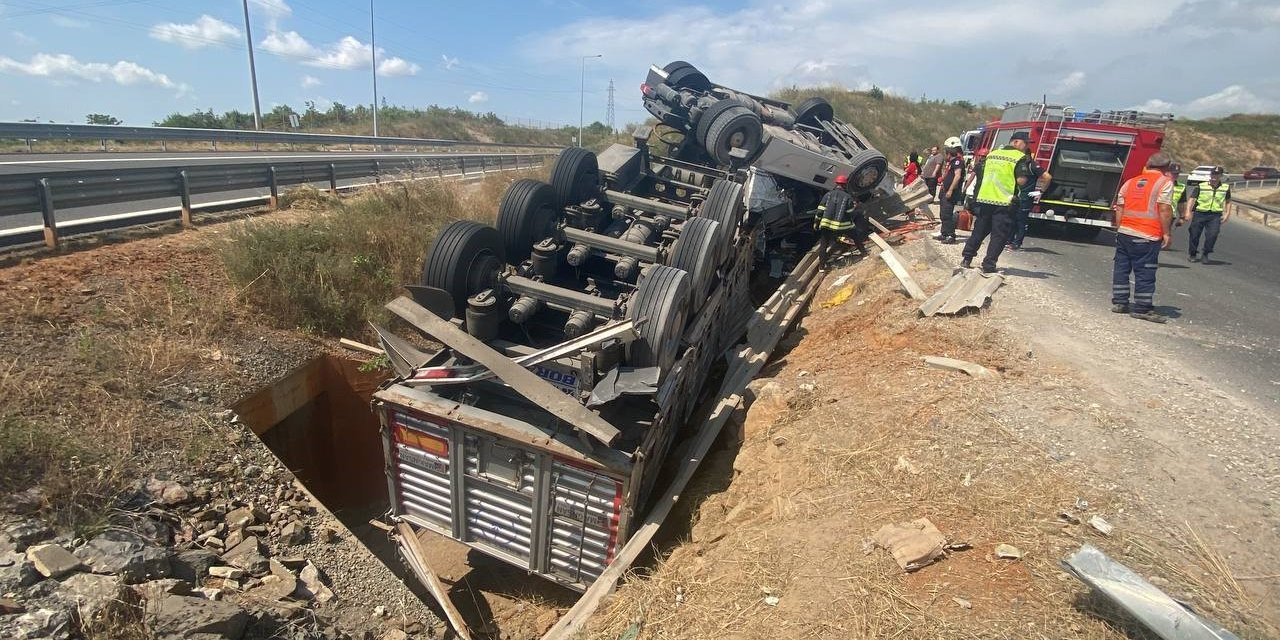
(788, 512)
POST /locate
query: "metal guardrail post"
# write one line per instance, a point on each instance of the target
(28, 145)
(462, 163)
(164, 145)
(102, 144)
(184, 190)
(377, 172)
(333, 179)
(275, 188)
(484, 165)
(439, 170)
(46, 212)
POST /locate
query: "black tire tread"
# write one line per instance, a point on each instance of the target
(862, 159)
(710, 115)
(724, 205)
(444, 266)
(516, 211)
(662, 301)
(697, 252)
(812, 109)
(567, 176)
(728, 120)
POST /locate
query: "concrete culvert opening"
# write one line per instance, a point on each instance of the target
(317, 421)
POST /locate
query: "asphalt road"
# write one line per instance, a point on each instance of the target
(48, 164)
(1224, 316)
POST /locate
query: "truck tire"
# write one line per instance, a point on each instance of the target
(735, 127)
(724, 205)
(813, 110)
(869, 168)
(697, 252)
(682, 75)
(464, 260)
(526, 214)
(575, 176)
(712, 112)
(662, 302)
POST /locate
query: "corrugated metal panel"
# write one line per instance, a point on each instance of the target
(584, 522)
(423, 477)
(968, 289)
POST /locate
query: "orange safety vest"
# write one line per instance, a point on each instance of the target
(1140, 214)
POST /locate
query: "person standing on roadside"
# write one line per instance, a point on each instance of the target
(1179, 195)
(975, 168)
(931, 171)
(1028, 195)
(953, 175)
(1209, 211)
(911, 171)
(1144, 222)
(1003, 172)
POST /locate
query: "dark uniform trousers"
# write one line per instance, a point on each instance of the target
(989, 220)
(1140, 257)
(1207, 223)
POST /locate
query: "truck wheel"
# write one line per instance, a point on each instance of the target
(682, 75)
(662, 303)
(575, 176)
(697, 252)
(526, 215)
(712, 112)
(464, 260)
(869, 167)
(735, 127)
(724, 205)
(813, 110)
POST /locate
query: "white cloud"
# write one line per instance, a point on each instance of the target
(347, 53)
(310, 81)
(1232, 99)
(63, 66)
(1069, 85)
(22, 38)
(205, 31)
(68, 23)
(478, 97)
(274, 8)
(447, 63)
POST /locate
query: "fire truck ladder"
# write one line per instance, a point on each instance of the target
(1049, 134)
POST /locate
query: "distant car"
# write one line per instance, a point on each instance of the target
(1200, 174)
(1262, 173)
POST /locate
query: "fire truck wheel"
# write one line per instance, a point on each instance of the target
(869, 167)
(526, 215)
(812, 110)
(697, 252)
(661, 302)
(575, 176)
(735, 127)
(724, 205)
(464, 260)
(682, 75)
(709, 115)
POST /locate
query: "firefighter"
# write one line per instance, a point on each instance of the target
(1144, 221)
(1208, 202)
(1004, 172)
(1179, 195)
(837, 216)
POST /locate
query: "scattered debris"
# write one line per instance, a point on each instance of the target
(841, 280)
(52, 561)
(1103, 527)
(964, 604)
(772, 600)
(899, 270)
(9, 606)
(1068, 518)
(914, 544)
(951, 364)
(1008, 552)
(968, 480)
(842, 296)
(968, 289)
(906, 465)
(1146, 603)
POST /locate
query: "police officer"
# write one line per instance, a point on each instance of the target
(837, 216)
(1179, 194)
(1208, 202)
(1004, 172)
(1144, 219)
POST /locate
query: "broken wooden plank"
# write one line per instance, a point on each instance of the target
(899, 270)
(360, 346)
(523, 381)
(418, 562)
(952, 364)
(876, 223)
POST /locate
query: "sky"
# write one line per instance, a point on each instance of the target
(140, 60)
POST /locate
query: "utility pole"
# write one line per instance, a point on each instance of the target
(582, 93)
(608, 114)
(373, 50)
(253, 72)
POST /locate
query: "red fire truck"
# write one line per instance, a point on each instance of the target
(1088, 153)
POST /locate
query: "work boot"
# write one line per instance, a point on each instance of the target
(1194, 258)
(1119, 308)
(1205, 258)
(967, 263)
(1149, 316)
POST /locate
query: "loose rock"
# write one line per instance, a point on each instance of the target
(1008, 552)
(248, 556)
(125, 554)
(312, 584)
(52, 561)
(294, 533)
(92, 595)
(193, 564)
(182, 617)
(25, 533)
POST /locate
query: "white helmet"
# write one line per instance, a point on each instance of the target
(951, 143)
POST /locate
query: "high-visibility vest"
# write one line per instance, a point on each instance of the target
(1210, 200)
(1140, 215)
(999, 184)
(1178, 188)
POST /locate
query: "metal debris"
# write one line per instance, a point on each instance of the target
(1103, 527)
(968, 289)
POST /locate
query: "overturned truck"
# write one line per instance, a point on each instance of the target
(583, 330)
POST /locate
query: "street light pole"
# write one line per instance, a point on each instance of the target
(373, 50)
(582, 94)
(253, 72)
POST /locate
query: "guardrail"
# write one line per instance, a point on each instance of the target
(45, 194)
(1244, 185)
(30, 131)
(1267, 211)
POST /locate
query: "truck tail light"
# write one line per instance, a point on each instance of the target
(430, 444)
(435, 373)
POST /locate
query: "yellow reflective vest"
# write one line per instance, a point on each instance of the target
(1210, 200)
(999, 183)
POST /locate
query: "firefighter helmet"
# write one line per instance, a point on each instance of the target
(951, 143)
(842, 179)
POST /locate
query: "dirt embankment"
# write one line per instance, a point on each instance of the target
(849, 432)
